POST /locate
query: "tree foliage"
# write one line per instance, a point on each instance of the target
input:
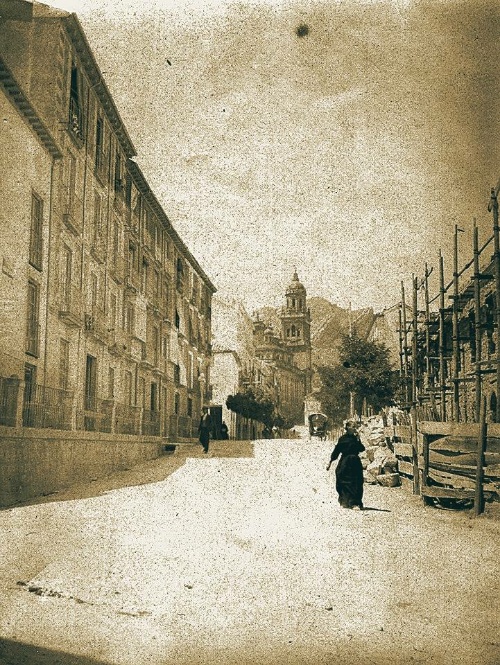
(253, 403)
(363, 369)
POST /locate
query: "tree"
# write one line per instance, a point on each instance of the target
(363, 369)
(254, 404)
(369, 373)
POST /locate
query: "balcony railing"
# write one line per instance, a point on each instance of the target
(95, 323)
(97, 416)
(75, 122)
(47, 407)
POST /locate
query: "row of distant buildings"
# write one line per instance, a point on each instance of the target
(106, 316)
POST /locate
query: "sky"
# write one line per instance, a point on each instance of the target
(343, 139)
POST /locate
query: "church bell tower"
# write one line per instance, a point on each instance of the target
(296, 326)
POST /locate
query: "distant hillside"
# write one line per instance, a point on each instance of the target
(328, 323)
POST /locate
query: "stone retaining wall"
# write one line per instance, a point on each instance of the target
(35, 462)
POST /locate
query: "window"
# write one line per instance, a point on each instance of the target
(75, 103)
(66, 268)
(180, 274)
(177, 320)
(94, 292)
(165, 344)
(113, 305)
(189, 407)
(154, 397)
(128, 388)
(36, 231)
(177, 374)
(97, 218)
(131, 259)
(116, 243)
(156, 344)
(90, 383)
(156, 285)
(63, 364)
(176, 404)
(100, 156)
(118, 173)
(144, 276)
(32, 318)
(111, 383)
(128, 315)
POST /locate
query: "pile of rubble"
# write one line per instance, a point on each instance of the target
(379, 462)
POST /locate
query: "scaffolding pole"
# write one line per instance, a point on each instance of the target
(427, 327)
(477, 323)
(493, 207)
(442, 373)
(405, 342)
(456, 345)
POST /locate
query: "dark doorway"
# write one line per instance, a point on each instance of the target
(90, 392)
(216, 415)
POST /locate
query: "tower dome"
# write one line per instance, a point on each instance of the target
(295, 287)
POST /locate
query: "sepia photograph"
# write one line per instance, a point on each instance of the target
(249, 332)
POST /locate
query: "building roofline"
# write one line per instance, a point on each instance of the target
(146, 191)
(27, 110)
(84, 50)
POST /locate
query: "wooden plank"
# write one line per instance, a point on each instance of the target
(403, 450)
(492, 444)
(455, 480)
(449, 429)
(406, 483)
(450, 493)
(403, 432)
(459, 459)
(405, 467)
(458, 444)
(447, 492)
(494, 430)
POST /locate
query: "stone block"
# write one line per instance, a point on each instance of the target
(389, 479)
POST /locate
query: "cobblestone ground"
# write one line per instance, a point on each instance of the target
(244, 556)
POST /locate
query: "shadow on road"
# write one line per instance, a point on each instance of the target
(377, 510)
(19, 653)
(152, 471)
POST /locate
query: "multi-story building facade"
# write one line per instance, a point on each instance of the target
(115, 309)
(235, 367)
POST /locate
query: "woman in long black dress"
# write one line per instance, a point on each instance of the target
(349, 471)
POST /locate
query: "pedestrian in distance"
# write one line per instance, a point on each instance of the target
(204, 428)
(349, 470)
(224, 431)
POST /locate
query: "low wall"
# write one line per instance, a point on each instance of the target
(34, 462)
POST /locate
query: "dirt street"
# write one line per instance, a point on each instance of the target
(245, 557)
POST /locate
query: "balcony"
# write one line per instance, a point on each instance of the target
(95, 324)
(70, 306)
(75, 121)
(119, 342)
(132, 225)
